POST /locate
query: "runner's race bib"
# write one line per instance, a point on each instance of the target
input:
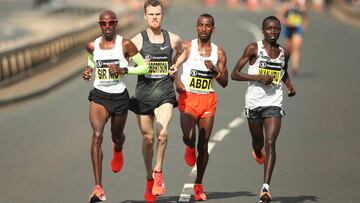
(158, 67)
(103, 74)
(294, 19)
(273, 69)
(200, 82)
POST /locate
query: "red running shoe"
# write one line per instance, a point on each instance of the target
(117, 160)
(190, 156)
(199, 194)
(97, 195)
(159, 187)
(148, 196)
(261, 159)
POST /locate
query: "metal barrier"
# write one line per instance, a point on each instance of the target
(345, 12)
(17, 63)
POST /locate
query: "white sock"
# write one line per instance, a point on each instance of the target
(266, 186)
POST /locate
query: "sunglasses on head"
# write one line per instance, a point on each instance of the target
(110, 22)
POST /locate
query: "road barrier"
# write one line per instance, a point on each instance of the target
(344, 11)
(16, 63)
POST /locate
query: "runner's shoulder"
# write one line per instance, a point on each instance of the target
(90, 47)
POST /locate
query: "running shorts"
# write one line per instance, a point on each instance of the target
(290, 31)
(115, 103)
(259, 113)
(198, 105)
(142, 107)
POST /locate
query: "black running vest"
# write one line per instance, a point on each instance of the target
(157, 84)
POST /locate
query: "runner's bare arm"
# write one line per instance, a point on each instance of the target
(222, 75)
(176, 44)
(137, 40)
(130, 50)
(249, 56)
(286, 77)
(86, 74)
(180, 87)
(180, 58)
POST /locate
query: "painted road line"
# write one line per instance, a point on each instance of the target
(220, 135)
(186, 192)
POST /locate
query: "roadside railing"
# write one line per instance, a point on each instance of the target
(19, 62)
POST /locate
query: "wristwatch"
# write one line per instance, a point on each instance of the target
(126, 70)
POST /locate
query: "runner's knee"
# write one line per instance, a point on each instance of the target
(270, 143)
(148, 139)
(162, 136)
(97, 137)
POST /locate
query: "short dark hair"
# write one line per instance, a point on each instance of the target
(153, 3)
(270, 18)
(206, 15)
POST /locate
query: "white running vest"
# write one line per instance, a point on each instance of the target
(104, 81)
(259, 94)
(195, 76)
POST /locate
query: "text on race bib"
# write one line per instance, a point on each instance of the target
(158, 69)
(102, 71)
(272, 69)
(200, 81)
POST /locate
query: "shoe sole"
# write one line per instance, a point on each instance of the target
(95, 199)
(265, 198)
(157, 193)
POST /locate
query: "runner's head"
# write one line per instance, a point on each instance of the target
(271, 29)
(108, 23)
(205, 26)
(153, 13)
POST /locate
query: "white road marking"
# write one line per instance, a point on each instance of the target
(186, 192)
(220, 135)
(237, 121)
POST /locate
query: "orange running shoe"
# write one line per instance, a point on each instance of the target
(261, 159)
(97, 195)
(265, 195)
(199, 194)
(148, 196)
(117, 160)
(159, 187)
(190, 156)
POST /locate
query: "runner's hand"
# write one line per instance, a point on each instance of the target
(209, 65)
(173, 70)
(114, 69)
(86, 74)
(291, 92)
(265, 79)
(180, 87)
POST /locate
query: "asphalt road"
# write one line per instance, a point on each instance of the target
(45, 143)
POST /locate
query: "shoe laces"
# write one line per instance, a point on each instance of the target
(98, 191)
(158, 178)
(198, 189)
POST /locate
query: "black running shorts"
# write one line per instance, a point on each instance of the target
(115, 103)
(147, 107)
(259, 113)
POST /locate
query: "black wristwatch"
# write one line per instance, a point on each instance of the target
(126, 70)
